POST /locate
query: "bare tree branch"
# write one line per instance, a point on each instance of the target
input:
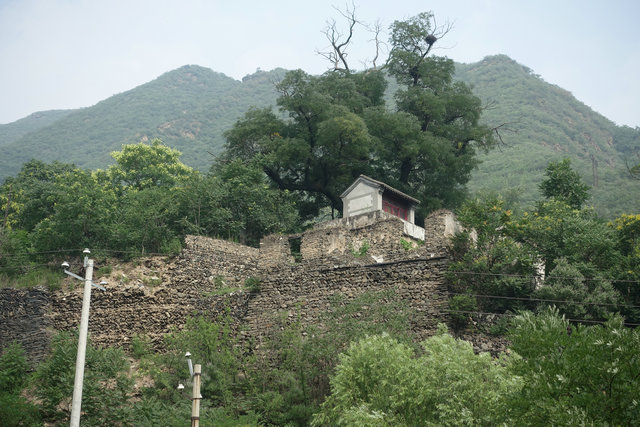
(339, 43)
(376, 29)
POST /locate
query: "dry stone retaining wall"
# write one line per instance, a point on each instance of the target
(209, 275)
(23, 318)
(304, 292)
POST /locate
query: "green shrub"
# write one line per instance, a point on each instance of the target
(140, 346)
(252, 284)
(13, 368)
(461, 307)
(171, 247)
(106, 386)
(105, 270)
(361, 251)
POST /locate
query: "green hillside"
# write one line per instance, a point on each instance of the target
(548, 123)
(188, 108)
(16, 130)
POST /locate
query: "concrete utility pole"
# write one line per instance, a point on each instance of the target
(195, 400)
(195, 406)
(76, 402)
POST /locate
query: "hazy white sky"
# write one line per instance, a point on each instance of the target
(59, 54)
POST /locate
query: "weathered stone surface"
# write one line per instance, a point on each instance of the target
(208, 278)
(22, 318)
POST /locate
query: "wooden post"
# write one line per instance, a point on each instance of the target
(195, 406)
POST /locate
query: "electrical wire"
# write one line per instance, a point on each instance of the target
(545, 300)
(513, 315)
(529, 277)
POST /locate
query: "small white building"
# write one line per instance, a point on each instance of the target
(366, 195)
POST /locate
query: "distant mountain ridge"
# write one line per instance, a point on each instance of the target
(189, 109)
(548, 124)
(33, 122)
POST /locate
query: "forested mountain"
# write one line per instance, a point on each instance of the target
(547, 124)
(16, 130)
(190, 108)
(187, 108)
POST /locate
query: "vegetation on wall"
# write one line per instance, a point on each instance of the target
(558, 253)
(145, 203)
(546, 265)
(554, 372)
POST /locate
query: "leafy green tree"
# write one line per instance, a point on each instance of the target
(307, 356)
(13, 368)
(106, 385)
(146, 221)
(577, 296)
(140, 166)
(201, 200)
(29, 197)
(502, 258)
(254, 208)
(321, 148)
(627, 270)
(564, 184)
(15, 410)
(443, 153)
(81, 213)
(488, 261)
(337, 128)
(556, 230)
(212, 345)
(380, 381)
(575, 375)
(14, 252)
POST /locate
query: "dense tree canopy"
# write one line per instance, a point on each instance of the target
(336, 127)
(556, 254)
(564, 184)
(146, 202)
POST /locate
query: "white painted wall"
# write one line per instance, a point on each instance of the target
(363, 198)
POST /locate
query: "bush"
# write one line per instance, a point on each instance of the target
(252, 284)
(462, 307)
(381, 382)
(14, 409)
(105, 388)
(140, 346)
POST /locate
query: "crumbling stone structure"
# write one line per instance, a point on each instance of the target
(297, 274)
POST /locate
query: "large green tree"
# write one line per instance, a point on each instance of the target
(442, 154)
(575, 375)
(335, 127)
(563, 183)
(556, 254)
(381, 382)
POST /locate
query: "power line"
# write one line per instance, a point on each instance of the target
(530, 277)
(544, 300)
(19, 254)
(513, 315)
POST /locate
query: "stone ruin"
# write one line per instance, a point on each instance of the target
(297, 274)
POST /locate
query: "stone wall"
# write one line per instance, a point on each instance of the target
(210, 274)
(23, 318)
(381, 232)
(439, 227)
(152, 305)
(305, 292)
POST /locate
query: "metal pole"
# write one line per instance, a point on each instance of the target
(82, 345)
(195, 406)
